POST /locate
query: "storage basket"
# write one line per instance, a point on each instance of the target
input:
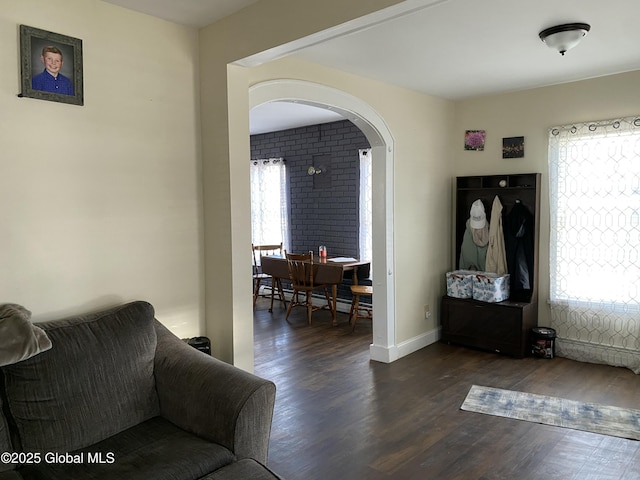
(460, 283)
(490, 287)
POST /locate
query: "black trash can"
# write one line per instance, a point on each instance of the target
(201, 343)
(543, 342)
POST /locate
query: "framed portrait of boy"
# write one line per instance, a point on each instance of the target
(51, 66)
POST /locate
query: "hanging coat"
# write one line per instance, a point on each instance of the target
(473, 252)
(496, 252)
(518, 235)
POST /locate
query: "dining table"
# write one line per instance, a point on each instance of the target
(327, 271)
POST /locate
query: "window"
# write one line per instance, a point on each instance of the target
(269, 202)
(594, 172)
(365, 216)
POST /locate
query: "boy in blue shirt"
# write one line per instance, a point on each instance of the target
(51, 80)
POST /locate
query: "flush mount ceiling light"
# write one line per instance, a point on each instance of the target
(564, 37)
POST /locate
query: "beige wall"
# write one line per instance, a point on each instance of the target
(530, 113)
(226, 150)
(420, 125)
(101, 203)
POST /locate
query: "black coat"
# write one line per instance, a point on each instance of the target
(518, 239)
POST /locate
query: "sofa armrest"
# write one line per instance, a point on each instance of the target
(10, 475)
(213, 399)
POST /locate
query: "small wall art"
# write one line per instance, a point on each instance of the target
(474, 140)
(51, 66)
(513, 147)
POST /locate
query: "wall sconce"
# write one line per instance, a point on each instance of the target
(314, 171)
(564, 37)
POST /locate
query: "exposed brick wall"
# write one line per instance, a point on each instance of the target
(324, 207)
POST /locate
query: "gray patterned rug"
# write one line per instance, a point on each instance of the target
(560, 412)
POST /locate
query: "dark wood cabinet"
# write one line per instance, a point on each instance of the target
(505, 326)
(499, 327)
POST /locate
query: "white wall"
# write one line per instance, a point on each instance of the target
(101, 203)
(530, 114)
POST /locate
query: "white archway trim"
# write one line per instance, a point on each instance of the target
(401, 9)
(384, 347)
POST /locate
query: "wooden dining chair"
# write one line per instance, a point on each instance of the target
(259, 276)
(357, 310)
(301, 274)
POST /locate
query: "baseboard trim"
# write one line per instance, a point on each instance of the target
(382, 354)
(390, 354)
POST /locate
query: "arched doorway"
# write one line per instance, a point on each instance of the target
(384, 347)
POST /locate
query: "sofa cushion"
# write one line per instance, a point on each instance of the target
(155, 449)
(97, 380)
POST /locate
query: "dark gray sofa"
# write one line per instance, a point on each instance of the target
(118, 396)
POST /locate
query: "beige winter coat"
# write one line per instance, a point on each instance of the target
(496, 252)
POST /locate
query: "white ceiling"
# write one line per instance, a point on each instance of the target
(275, 116)
(452, 49)
(465, 48)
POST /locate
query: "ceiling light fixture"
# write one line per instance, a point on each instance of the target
(564, 37)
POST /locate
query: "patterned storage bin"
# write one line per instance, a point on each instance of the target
(460, 283)
(490, 287)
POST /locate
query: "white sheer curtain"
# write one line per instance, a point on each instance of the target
(366, 227)
(269, 202)
(594, 172)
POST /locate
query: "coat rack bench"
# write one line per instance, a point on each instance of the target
(502, 327)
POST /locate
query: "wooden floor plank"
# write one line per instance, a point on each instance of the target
(339, 415)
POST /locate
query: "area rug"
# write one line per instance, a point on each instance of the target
(559, 412)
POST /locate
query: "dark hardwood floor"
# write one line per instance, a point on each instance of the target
(339, 415)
